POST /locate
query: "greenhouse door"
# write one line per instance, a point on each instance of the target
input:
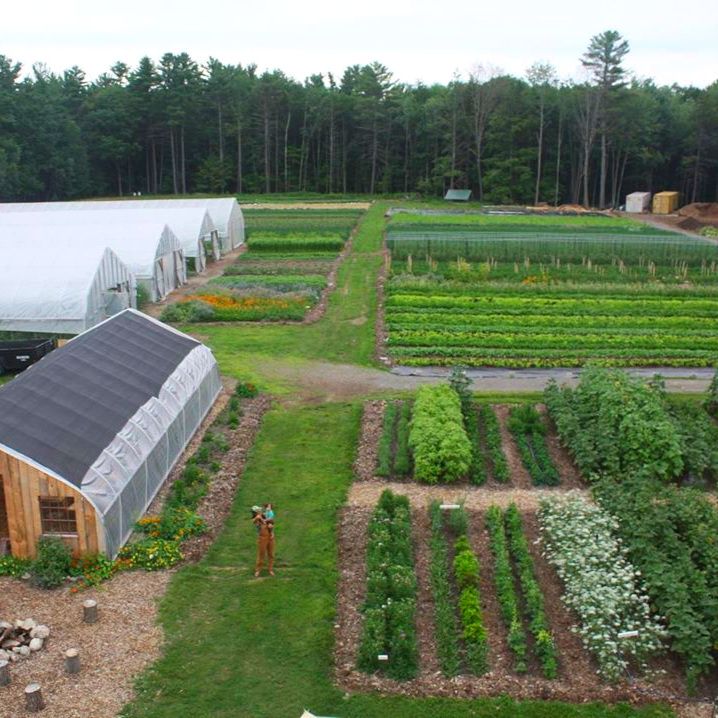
(4, 531)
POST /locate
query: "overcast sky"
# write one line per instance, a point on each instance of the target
(419, 40)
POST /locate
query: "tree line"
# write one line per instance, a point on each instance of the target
(176, 127)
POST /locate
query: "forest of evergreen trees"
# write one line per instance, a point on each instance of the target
(176, 127)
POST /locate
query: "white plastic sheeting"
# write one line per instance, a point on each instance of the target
(224, 211)
(151, 250)
(126, 476)
(58, 286)
(192, 225)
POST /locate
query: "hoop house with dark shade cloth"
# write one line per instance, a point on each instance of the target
(99, 423)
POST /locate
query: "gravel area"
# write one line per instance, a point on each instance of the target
(124, 641)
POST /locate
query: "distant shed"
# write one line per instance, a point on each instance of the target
(89, 434)
(665, 202)
(458, 195)
(638, 202)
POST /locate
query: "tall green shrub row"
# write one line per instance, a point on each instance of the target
(384, 458)
(390, 605)
(402, 456)
(617, 425)
(437, 438)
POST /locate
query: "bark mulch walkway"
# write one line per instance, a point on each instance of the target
(124, 641)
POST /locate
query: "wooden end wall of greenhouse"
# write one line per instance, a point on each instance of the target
(34, 504)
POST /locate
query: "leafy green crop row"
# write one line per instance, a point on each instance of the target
(529, 432)
(438, 440)
(389, 626)
(494, 446)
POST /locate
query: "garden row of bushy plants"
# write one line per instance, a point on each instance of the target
(466, 576)
(670, 534)
(393, 455)
(461, 383)
(620, 426)
(440, 447)
(525, 571)
(494, 446)
(529, 432)
(389, 622)
(601, 585)
(445, 620)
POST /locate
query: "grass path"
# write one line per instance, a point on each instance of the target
(262, 648)
(345, 334)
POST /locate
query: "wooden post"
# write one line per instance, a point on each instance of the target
(89, 611)
(33, 698)
(4, 673)
(72, 660)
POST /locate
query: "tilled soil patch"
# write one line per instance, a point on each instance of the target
(122, 643)
(577, 681)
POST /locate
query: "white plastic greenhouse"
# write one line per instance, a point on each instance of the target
(151, 250)
(97, 426)
(59, 286)
(225, 213)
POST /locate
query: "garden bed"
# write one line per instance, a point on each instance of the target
(577, 679)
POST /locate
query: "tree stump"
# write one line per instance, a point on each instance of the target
(89, 611)
(72, 660)
(33, 698)
(4, 673)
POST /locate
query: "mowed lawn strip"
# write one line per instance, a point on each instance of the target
(345, 334)
(242, 647)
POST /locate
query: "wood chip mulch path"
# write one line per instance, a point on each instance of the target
(577, 681)
(369, 435)
(124, 641)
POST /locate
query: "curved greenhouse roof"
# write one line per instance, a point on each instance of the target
(225, 212)
(151, 250)
(61, 286)
(108, 415)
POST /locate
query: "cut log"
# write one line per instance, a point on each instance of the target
(72, 660)
(89, 609)
(4, 673)
(33, 698)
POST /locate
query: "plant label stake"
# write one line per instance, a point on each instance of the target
(382, 657)
(451, 507)
(628, 634)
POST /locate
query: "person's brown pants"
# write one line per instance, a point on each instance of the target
(265, 551)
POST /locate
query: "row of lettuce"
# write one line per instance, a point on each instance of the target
(157, 543)
(281, 276)
(638, 563)
(444, 436)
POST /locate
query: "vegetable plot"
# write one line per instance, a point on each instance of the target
(529, 432)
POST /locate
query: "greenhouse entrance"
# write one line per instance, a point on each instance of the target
(4, 531)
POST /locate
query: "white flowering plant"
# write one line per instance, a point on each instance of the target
(601, 585)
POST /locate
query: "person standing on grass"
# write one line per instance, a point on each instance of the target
(265, 541)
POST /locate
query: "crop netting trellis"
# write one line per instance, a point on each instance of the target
(548, 247)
